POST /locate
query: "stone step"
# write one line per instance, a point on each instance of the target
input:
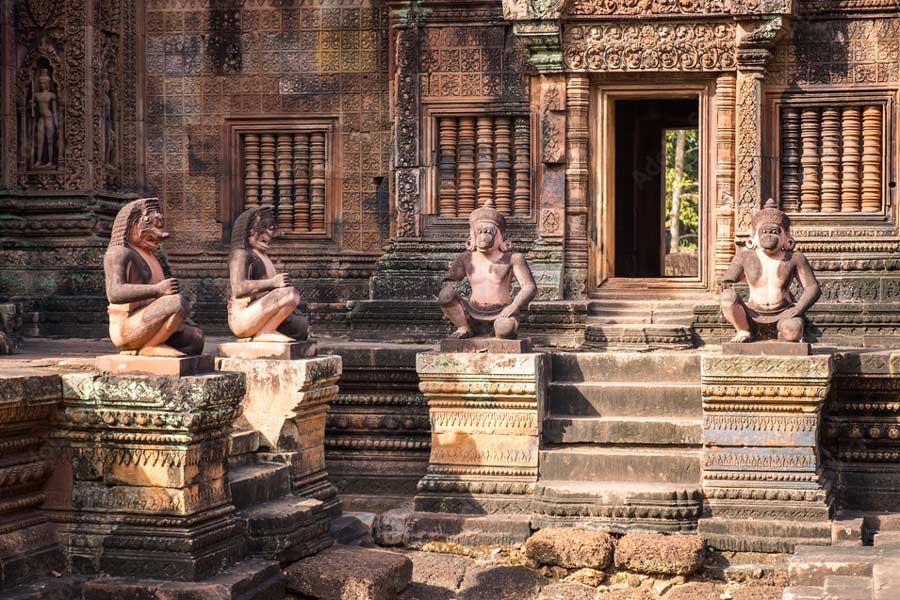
(256, 483)
(668, 367)
(606, 463)
(811, 565)
(286, 529)
(886, 579)
(638, 337)
(558, 429)
(244, 441)
(847, 587)
(803, 592)
(617, 399)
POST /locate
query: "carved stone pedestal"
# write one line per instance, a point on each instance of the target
(286, 402)
(28, 547)
(485, 431)
(763, 481)
(141, 486)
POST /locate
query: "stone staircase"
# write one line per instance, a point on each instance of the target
(621, 442)
(863, 562)
(638, 324)
(278, 525)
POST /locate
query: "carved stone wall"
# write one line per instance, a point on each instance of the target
(69, 125)
(206, 64)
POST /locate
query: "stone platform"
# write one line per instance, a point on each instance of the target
(122, 364)
(484, 411)
(286, 402)
(270, 350)
(765, 487)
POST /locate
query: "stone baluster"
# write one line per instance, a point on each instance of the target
(317, 182)
(790, 159)
(850, 134)
(521, 167)
(485, 142)
(725, 104)
(251, 170)
(301, 182)
(503, 164)
(447, 140)
(284, 213)
(809, 159)
(465, 197)
(267, 166)
(871, 159)
(831, 160)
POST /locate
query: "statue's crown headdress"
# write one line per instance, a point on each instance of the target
(488, 213)
(128, 216)
(244, 224)
(770, 213)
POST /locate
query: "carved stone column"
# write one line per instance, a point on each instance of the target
(763, 479)
(576, 256)
(485, 431)
(725, 169)
(753, 51)
(405, 107)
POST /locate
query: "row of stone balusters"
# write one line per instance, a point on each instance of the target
(831, 158)
(481, 158)
(287, 171)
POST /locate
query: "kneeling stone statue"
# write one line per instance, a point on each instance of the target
(490, 267)
(770, 265)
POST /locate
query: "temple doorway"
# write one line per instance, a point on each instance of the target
(656, 187)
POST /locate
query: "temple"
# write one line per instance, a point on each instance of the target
(626, 147)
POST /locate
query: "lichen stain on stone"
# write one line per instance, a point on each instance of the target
(223, 48)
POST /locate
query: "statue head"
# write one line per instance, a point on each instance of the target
(487, 229)
(254, 229)
(44, 80)
(771, 230)
(139, 224)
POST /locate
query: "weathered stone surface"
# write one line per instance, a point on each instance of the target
(353, 529)
(568, 591)
(488, 344)
(286, 401)
(654, 553)
(66, 587)
(129, 364)
(571, 548)
(587, 576)
(439, 570)
(268, 350)
(811, 565)
(133, 453)
(246, 580)
(763, 482)
(286, 529)
(467, 530)
(500, 583)
(389, 528)
(29, 548)
(350, 573)
(484, 436)
(767, 348)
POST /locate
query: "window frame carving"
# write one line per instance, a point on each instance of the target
(883, 222)
(233, 194)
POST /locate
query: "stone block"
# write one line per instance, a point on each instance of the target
(143, 460)
(389, 528)
(350, 573)
(286, 529)
(268, 350)
(490, 582)
(246, 580)
(658, 554)
(29, 549)
(286, 401)
(484, 410)
(439, 570)
(466, 530)
(811, 565)
(488, 344)
(571, 548)
(886, 579)
(761, 466)
(131, 364)
(767, 348)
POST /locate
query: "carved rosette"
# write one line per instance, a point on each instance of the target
(484, 431)
(760, 452)
(140, 482)
(633, 46)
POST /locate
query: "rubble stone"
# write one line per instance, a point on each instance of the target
(655, 553)
(568, 590)
(501, 583)
(570, 548)
(350, 573)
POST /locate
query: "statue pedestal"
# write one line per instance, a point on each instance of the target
(132, 364)
(142, 486)
(286, 402)
(763, 482)
(29, 548)
(485, 431)
(273, 350)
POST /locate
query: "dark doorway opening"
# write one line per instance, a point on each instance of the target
(657, 204)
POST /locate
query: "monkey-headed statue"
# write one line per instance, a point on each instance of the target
(147, 314)
(490, 267)
(770, 265)
(261, 308)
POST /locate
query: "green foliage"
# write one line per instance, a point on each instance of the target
(689, 214)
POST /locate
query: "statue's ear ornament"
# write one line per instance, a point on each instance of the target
(790, 244)
(750, 244)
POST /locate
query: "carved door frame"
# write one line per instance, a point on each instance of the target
(601, 244)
